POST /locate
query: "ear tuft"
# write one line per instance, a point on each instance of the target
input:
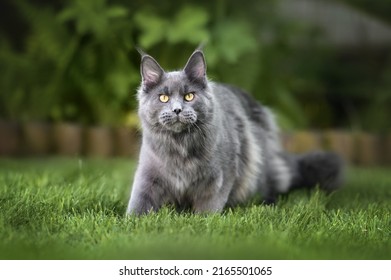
(195, 68)
(151, 72)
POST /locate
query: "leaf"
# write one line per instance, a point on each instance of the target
(189, 26)
(153, 28)
(66, 15)
(233, 39)
(116, 12)
(94, 17)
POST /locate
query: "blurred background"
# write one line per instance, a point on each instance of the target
(69, 69)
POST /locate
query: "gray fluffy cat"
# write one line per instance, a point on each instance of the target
(206, 145)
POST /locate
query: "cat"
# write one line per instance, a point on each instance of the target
(206, 146)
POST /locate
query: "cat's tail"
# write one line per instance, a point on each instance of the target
(322, 169)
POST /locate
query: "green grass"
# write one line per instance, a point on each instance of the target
(74, 209)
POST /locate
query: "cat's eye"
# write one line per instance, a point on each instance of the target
(164, 98)
(189, 96)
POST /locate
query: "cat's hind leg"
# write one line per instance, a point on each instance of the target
(278, 179)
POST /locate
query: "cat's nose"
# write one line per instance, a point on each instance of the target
(176, 107)
(177, 110)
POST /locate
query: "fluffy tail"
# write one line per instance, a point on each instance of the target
(323, 169)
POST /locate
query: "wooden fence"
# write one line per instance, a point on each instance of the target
(63, 139)
(356, 148)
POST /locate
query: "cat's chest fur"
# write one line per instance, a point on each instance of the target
(185, 162)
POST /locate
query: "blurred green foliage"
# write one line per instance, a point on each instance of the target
(74, 64)
(77, 61)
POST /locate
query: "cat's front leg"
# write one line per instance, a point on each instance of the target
(212, 199)
(209, 205)
(147, 193)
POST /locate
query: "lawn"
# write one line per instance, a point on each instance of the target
(74, 209)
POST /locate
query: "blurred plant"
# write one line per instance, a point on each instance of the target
(74, 65)
(235, 50)
(28, 81)
(99, 71)
(92, 17)
(79, 63)
(187, 26)
(76, 62)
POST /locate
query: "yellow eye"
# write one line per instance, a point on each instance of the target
(189, 96)
(164, 98)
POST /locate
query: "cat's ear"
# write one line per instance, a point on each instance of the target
(151, 72)
(195, 68)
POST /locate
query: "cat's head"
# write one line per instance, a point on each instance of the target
(176, 101)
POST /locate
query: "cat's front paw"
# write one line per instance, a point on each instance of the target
(140, 206)
(208, 207)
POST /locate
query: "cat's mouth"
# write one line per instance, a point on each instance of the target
(178, 123)
(178, 126)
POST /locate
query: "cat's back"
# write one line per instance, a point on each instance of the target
(237, 103)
